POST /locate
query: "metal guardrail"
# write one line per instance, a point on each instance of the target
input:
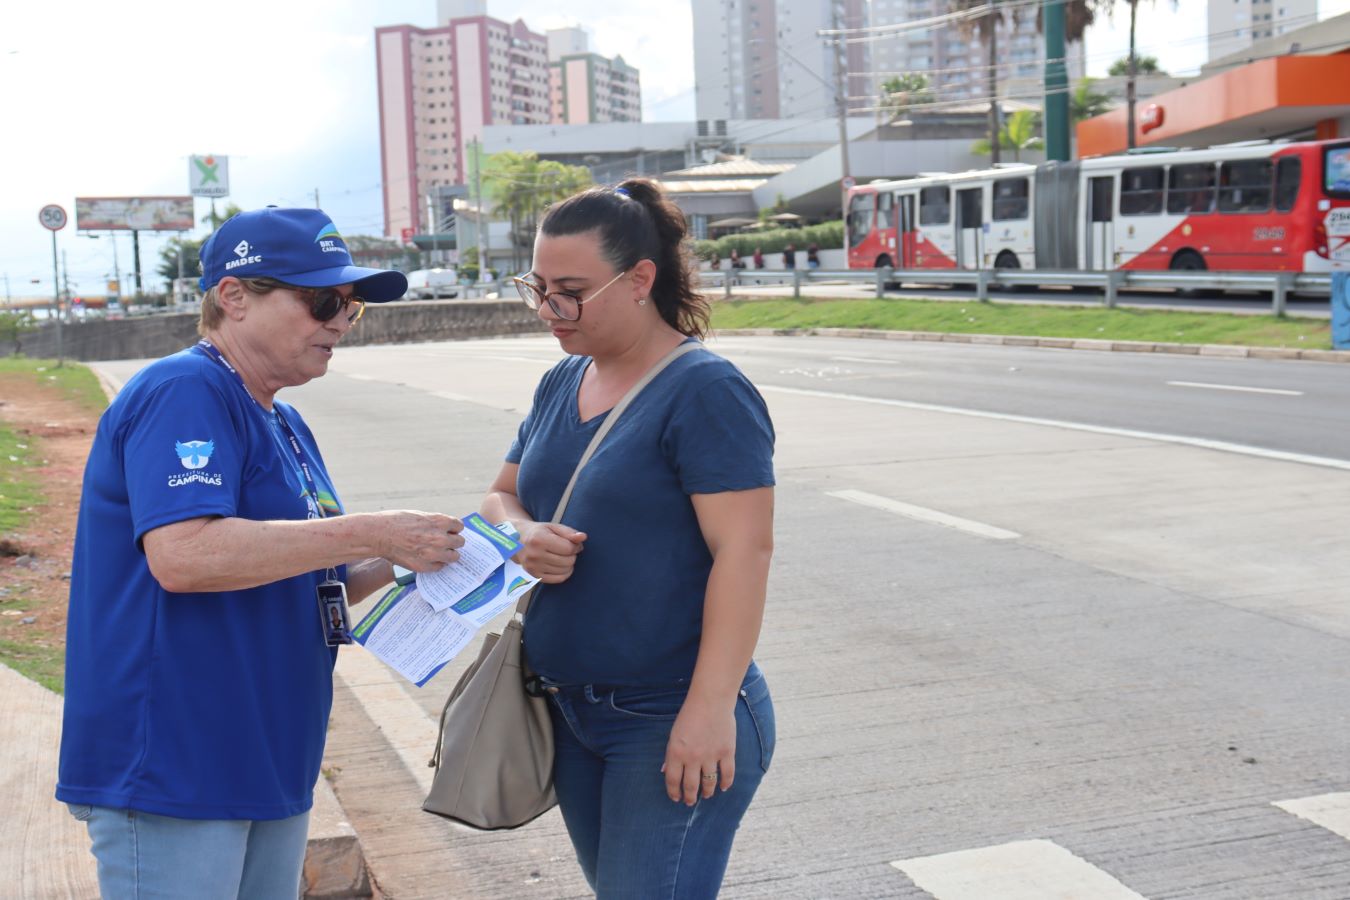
(1279, 284)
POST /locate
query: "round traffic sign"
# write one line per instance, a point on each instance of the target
(53, 217)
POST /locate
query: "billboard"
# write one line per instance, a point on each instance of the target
(134, 214)
(209, 176)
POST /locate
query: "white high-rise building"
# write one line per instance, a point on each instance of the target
(956, 61)
(763, 59)
(1236, 24)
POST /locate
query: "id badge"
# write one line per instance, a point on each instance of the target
(337, 623)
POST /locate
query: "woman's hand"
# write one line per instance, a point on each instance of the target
(701, 753)
(423, 542)
(550, 551)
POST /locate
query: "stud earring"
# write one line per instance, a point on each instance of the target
(642, 302)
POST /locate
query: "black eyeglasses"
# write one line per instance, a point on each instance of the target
(324, 303)
(564, 305)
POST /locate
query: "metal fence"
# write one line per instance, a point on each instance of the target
(1279, 284)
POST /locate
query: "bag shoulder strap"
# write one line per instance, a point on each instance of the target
(613, 417)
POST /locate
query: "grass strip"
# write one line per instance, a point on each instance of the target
(72, 379)
(974, 317)
(37, 662)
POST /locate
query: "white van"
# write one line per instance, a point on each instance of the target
(429, 284)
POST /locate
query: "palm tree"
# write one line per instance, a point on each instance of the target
(1020, 133)
(1085, 103)
(986, 28)
(521, 186)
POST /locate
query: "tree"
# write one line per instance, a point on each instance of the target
(168, 258)
(986, 28)
(231, 210)
(1085, 103)
(903, 91)
(1143, 65)
(1018, 133)
(521, 185)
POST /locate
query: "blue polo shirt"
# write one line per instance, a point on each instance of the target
(205, 705)
(632, 611)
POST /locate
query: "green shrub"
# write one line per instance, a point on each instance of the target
(827, 236)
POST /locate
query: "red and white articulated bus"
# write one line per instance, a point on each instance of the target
(1242, 207)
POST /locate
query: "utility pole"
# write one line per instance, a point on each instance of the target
(8, 299)
(431, 226)
(1056, 84)
(316, 198)
(483, 244)
(841, 105)
(1129, 81)
(991, 82)
(65, 278)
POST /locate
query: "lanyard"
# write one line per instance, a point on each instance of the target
(301, 457)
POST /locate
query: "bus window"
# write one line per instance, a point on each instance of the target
(1190, 189)
(970, 213)
(1011, 199)
(860, 210)
(886, 211)
(1141, 191)
(935, 206)
(1244, 186)
(1288, 174)
(1336, 171)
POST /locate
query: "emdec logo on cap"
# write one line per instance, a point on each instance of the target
(334, 245)
(241, 250)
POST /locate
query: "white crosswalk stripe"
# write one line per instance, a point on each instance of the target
(1021, 870)
(1330, 811)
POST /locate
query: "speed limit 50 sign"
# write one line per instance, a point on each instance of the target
(53, 217)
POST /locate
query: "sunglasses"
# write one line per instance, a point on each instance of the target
(325, 303)
(564, 305)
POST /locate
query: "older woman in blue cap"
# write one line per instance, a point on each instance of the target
(211, 556)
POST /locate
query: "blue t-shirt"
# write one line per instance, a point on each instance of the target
(632, 611)
(206, 705)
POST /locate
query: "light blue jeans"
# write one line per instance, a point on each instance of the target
(143, 856)
(632, 841)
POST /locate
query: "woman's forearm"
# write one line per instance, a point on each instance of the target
(366, 576)
(733, 610)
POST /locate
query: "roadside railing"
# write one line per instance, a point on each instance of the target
(1279, 284)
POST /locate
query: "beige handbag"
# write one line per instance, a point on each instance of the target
(494, 754)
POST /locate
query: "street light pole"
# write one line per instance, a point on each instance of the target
(841, 104)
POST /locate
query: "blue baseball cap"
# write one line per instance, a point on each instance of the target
(296, 246)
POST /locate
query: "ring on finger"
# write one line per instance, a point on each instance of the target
(712, 777)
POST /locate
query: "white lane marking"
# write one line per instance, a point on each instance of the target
(1235, 387)
(923, 514)
(1021, 870)
(862, 359)
(404, 724)
(1204, 443)
(1331, 811)
(358, 376)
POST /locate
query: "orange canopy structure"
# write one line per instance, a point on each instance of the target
(1268, 98)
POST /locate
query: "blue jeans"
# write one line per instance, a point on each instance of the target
(142, 856)
(632, 840)
(1340, 309)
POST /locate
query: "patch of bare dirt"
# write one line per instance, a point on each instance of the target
(35, 561)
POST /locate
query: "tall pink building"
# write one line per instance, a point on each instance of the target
(438, 87)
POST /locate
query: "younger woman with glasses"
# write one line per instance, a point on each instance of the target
(653, 586)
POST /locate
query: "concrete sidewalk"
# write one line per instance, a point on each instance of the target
(44, 851)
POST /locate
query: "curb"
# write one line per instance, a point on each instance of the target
(1222, 351)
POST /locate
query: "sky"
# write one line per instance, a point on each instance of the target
(111, 99)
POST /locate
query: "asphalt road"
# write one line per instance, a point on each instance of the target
(1011, 659)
